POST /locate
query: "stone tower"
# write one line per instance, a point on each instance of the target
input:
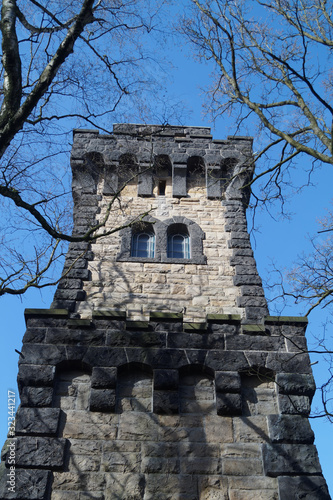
(158, 373)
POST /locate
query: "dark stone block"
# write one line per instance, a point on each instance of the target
(33, 375)
(242, 260)
(228, 404)
(68, 304)
(83, 274)
(196, 341)
(251, 301)
(34, 335)
(303, 487)
(247, 279)
(239, 242)
(289, 362)
(105, 356)
(39, 452)
(166, 379)
(37, 421)
(297, 344)
(136, 339)
(145, 183)
(103, 400)
(75, 336)
(229, 382)
(296, 383)
(36, 396)
(30, 484)
(166, 402)
(290, 459)
(290, 429)
(254, 342)
(294, 405)
(40, 354)
(104, 378)
(226, 360)
(179, 181)
(213, 181)
(255, 313)
(69, 294)
(70, 284)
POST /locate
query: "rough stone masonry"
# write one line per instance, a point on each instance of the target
(157, 373)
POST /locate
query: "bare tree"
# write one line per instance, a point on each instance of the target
(271, 66)
(64, 64)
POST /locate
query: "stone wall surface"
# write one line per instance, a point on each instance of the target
(162, 378)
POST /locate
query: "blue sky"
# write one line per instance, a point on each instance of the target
(277, 240)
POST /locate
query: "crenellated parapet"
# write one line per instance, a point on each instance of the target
(158, 372)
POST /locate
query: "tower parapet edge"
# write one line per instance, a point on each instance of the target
(174, 175)
(157, 372)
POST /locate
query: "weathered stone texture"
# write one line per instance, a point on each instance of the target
(163, 378)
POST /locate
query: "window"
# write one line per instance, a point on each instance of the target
(179, 246)
(176, 240)
(143, 245)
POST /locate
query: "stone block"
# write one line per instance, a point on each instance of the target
(30, 484)
(294, 405)
(166, 402)
(160, 465)
(166, 379)
(218, 429)
(251, 429)
(290, 429)
(289, 363)
(213, 488)
(200, 465)
(290, 459)
(124, 462)
(137, 426)
(296, 383)
(34, 335)
(104, 378)
(37, 421)
(76, 481)
(229, 382)
(124, 486)
(305, 487)
(228, 404)
(41, 452)
(33, 375)
(164, 486)
(241, 467)
(36, 396)
(103, 400)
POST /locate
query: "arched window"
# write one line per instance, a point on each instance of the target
(178, 243)
(143, 244)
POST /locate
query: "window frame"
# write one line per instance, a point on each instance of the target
(135, 243)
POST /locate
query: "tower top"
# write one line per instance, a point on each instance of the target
(179, 198)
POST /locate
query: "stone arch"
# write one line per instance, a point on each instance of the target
(147, 223)
(134, 388)
(195, 233)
